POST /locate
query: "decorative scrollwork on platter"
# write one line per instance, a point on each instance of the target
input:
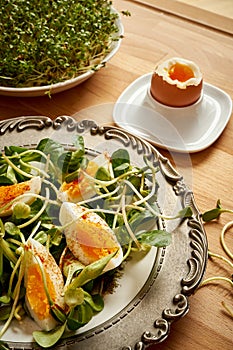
(138, 346)
(180, 188)
(41, 122)
(181, 307)
(168, 169)
(126, 139)
(198, 260)
(199, 248)
(22, 123)
(162, 326)
(70, 124)
(64, 121)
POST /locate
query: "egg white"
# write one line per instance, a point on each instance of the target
(163, 68)
(89, 230)
(84, 189)
(35, 249)
(10, 192)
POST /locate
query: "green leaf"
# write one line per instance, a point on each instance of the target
(58, 313)
(157, 238)
(142, 218)
(5, 299)
(51, 148)
(103, 174)
(95, 301)
(21, 210)
(11, 175)
(4, 180)
(91, 271)
(120, 161)
(84, 313)
(11, 228)
(185, 213)
(211, 214)
(9, 151)
(73, 324)
(218, 204)
(74, 297)
(79, 317)
(48, 339)
(80, 149)
(5, 311)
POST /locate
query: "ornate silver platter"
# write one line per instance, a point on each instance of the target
(151, 295)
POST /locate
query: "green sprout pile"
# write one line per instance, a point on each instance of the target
(50, 41)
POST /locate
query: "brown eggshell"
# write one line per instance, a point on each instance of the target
(171, 95)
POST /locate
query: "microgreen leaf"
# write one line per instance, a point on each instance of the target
(211, 214)
(11, 228)
(74, 297)
(185, 213)
(73, 324)
(5, 299)
(91, 271)
(80, 316)
(214, 213)
(120, 161)
(58, 313)
(21, 210)
(95, 301)
(48, 339)
(5, 311)
(52, 148)
(157, 238)
(103, 174)
(4, 180)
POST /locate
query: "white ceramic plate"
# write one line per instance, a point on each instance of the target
(188, 129)
(68, 84)
(153, 291)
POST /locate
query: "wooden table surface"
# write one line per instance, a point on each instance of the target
(153, 34)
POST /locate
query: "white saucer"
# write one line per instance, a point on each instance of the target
(188, 129)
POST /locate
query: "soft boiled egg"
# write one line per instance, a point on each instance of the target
(11, 192)
(82, 187)
(36, 299)
(176, 82)
(88, 236)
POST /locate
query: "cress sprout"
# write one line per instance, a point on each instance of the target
(208, 216)
(47, 42)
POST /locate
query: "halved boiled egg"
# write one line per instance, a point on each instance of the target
(36, 298)
(81, 187)
(177, 82)
(10, 192)
(88, 236)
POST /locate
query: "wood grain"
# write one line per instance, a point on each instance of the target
(223, 7)
(152, 35)
(198, 13)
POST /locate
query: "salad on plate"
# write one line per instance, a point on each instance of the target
(68, 223)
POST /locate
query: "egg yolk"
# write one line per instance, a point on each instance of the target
(7, 193)
(36, 294)
(96, 253)
(80, 186)
(180, 72)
